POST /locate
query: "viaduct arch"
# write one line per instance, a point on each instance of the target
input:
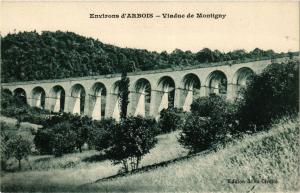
(150, 91)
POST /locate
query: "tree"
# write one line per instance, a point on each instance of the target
(124, 84)
(170, 119)
(63, 139)
(211, 120)
(197, 133)
(100, 135)
(42, 140)
(81, 126)
(18, 148)
(270, 95)
(63, 134)
(205, 55)
(131, 139)
(123, 95)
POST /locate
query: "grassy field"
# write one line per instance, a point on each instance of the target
(269, 161)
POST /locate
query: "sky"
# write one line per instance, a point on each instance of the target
(246, 25)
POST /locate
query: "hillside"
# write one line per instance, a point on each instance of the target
(268, 161)
(267, 156)
(32, 56)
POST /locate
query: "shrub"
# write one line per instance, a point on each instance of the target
(270, 95)
(81, 126)
(42, 140)
(63, 134)
(197, 133)
(132, 138)
(210, 121)
(100, 135)
(19, 148)
(63, 139)
(57, 139)
(170, 119)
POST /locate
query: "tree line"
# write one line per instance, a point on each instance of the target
(30, 56)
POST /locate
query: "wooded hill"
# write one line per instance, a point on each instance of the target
(32, 56)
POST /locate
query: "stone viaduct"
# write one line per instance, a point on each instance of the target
(150, 91)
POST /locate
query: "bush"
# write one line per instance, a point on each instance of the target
(100, 135)
(63, 139)
(81, 126)
(270, 95)
(42, 141)
(132, 138)
(63, 134)
(210, 121)
(197, 133)
(170, 119)
(57, 140)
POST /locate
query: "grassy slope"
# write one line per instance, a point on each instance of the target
(272, 155)
(56, 174)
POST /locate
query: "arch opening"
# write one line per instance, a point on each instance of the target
(20, 95)
(166, 86)
(241, 79)
(217, 83)
(57, 96)
(98, 100)
(191, 87)
(38, 97)
(143, 97)
(78, 96)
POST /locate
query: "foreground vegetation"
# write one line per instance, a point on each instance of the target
(269, 161)
(67, 173)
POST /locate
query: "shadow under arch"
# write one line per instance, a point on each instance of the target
(38, 97)
(142, 97)
(166, 87)
(77, 99)
(241, 78)
(57, 98)
(20, 95)
(115, 100)
(97, 100)
(191, 85)
(216, 83)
